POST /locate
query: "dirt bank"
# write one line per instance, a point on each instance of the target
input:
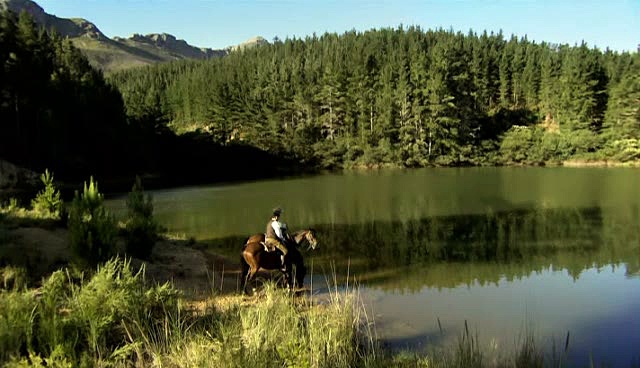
(191, 267)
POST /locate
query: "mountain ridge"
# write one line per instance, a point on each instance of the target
(118, 53)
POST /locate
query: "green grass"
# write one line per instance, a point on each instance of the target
(13, 215)
(115, 318)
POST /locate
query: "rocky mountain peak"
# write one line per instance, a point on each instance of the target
(76, 27)
(252, 42)
(119, 53)
(17, 6)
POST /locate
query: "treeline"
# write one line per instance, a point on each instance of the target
(57, 112)
(403, 97)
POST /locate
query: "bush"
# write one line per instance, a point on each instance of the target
(48, 201)
(141, 228)
(92, 230)
(584, 142)
(622, 150)
(517, 144)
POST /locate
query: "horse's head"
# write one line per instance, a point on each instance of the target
(310, 235)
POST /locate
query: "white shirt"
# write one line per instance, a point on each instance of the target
(278, 227)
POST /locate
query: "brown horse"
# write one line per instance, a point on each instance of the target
(254, 257)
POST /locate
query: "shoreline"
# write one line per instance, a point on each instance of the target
(118, 184)
(600, 163)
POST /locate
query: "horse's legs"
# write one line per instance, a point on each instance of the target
(245, 272)
(288, 277)
(249, 269)
(252, 273)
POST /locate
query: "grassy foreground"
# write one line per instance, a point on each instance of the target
(116, 319)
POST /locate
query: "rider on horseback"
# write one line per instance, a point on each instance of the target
(276, 235)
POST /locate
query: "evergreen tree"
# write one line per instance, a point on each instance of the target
(622, 119)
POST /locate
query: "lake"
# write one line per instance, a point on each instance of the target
(512, 251)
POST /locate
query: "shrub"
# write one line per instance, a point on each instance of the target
(516, 145)
(141, 228)
(92, 230)
(48, 201)
(583, 142)
(623, 150)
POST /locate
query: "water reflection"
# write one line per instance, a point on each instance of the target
(599, 309)
(449, 251)
(446, 251)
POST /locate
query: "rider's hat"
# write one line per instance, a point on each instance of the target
(277, 211)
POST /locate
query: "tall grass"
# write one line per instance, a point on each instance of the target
(17, 311)
(114, 318)
(76, 318)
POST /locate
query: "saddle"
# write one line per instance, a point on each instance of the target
(267, 248)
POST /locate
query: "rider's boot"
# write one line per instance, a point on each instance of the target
(284, 268)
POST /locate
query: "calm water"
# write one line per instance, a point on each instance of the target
(509, 250)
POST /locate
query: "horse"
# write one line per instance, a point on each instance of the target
(254, 256)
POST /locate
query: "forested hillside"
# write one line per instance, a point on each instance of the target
(404, 97)
(58, 112)
(391, 97)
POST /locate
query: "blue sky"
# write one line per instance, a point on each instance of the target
(217, 24)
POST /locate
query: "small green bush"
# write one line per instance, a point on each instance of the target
(48, 201)
(92, 230)
(141, 227)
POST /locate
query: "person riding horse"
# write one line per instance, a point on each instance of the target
(276, 235)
